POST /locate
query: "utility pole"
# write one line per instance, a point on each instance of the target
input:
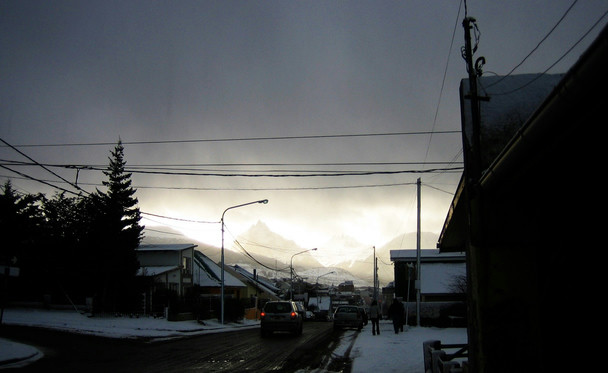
(418, 278)
(472, 138)
(375, 263)
(473, 196)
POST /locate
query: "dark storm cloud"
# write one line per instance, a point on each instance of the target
(97, 71)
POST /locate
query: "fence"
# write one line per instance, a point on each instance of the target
(437, 360)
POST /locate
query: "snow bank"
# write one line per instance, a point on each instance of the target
(390, 352)
(114, 327)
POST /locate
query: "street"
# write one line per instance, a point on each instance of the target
(231, 351)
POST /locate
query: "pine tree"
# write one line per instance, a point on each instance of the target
(21, 231)
(118, 235)
(121, 205)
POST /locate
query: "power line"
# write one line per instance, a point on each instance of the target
(445, 72)
(556, 62)
(251, 256)
(537, 45)
(330, 187)
(25, 176)
(269, 138)
(179, 219)
(267, 173)
(38, 164)
(285, 175)
(198, 166)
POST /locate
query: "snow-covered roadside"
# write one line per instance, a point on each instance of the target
(390, 352)
(114, 327)
(12, 354)
(15, 355)
(387, 352)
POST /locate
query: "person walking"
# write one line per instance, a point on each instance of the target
(374, 315)
(396, 312)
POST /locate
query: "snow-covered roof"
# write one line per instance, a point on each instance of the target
(155, 270)
(426, 255)
(265, 285)
(208, 274)
(165, 247)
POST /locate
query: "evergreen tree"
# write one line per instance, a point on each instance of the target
(118, 234)
(67, 225)
(21, 229)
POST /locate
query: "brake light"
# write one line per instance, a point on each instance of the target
(263, 314)
(293, 315)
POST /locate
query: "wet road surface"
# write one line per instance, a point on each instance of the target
(229, 351)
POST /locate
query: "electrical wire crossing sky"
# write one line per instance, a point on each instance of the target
(330, 110)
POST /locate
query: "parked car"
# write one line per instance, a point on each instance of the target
(281, 316)
(348, 317)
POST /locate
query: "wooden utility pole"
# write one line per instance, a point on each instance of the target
(473, 198)
(375, 275)
(418, 271)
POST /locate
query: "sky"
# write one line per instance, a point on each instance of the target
(222, 103)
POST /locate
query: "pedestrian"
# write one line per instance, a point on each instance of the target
(374, 315)
(396, 312)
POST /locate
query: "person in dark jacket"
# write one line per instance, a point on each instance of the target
(374, 315)
(396, 311)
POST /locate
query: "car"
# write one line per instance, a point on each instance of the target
(281, 316)
(348, 317)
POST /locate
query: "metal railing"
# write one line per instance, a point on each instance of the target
(437, 360)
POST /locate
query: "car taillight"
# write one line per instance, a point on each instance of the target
(263, 314)
(293, 315)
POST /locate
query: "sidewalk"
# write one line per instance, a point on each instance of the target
(390, 352)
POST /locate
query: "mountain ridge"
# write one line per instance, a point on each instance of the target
(271, 254)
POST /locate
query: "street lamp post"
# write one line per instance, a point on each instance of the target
(291, 271)
(317, 287)
(325, 274)
(264, 201)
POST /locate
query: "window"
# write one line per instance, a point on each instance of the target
(186, 265)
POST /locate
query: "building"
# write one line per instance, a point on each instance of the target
(440, 275)
(257, 286)
(525, 224)
(169, 266)
(208, 277)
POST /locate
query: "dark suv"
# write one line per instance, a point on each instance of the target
(281, 316)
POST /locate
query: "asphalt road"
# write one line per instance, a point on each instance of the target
(232, 351)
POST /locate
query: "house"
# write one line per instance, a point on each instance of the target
(208, 276)
(321, 306)
(170, 266)
(258, 290)
(440, 274)
(526, 222)
(257, 286)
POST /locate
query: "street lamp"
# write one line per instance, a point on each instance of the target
(291, 270)
(317, 287)
(264, 201)
(328, 273)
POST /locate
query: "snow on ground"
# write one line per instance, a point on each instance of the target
(387, 352)
(390, 352)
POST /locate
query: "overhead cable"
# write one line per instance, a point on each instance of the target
(269, 138)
